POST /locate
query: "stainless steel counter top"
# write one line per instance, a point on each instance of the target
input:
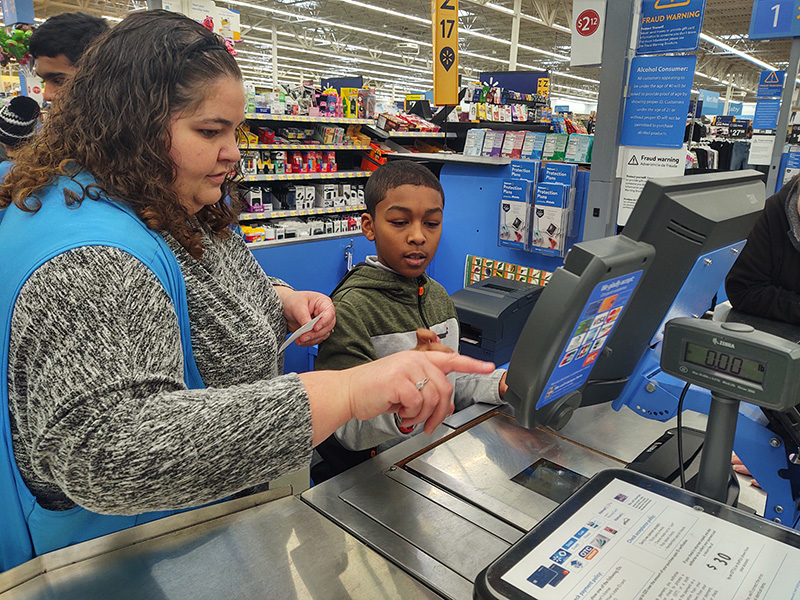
(279, 549)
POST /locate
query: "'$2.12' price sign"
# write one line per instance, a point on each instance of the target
(587, 22)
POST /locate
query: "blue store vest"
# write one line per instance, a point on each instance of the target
(27, 240)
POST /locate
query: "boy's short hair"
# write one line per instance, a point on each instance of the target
(68, 34)
(392, 175)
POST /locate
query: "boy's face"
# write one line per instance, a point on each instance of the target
(406, 228)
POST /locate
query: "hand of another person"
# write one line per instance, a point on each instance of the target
(427, 340)
(412, 384)
(299, 307)
(740, 468)
(503, 386)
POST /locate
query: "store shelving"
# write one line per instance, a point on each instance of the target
(282, 214)
(306, 176)
(302, 239)
(303, 147)
(416, 134)
(307, 119)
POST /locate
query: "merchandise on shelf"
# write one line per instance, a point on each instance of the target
(512, 144)
(301, 227)
(555, 146)
(487, 103)
(567, 125)
(579, 148)
(533, 145)
(404, 122)
(375, 157)
(473, 143)
(280, 197)
(305, 100)
(515, 206)
(552, 212)
(493, 142)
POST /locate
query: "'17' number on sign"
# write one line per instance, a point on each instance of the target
(447, 24)
(588, 22)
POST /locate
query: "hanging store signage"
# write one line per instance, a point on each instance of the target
(770, 84)
(639, 165)
(766, 116)
(445, 52)
(775, 19)
(735, 108)
(711, 103)
(588, 28)
(17, 11)
(658, 101)
(670, 26)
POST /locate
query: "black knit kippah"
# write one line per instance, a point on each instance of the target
(18, 120)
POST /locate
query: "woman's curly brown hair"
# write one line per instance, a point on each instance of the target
(112, 119)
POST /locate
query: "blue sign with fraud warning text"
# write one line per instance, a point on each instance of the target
(770, 84)
(670, 26)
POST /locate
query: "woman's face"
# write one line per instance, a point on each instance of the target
(204, 148)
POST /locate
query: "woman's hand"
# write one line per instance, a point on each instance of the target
(299, 307)
(411, 384)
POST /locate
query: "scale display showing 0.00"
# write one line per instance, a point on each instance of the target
(722, 362)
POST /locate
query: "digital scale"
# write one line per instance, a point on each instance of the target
(736, 363)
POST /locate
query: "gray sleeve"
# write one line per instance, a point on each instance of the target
(468, 389)
(97, 392)
(471, 388)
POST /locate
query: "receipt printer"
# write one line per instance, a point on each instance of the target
(491, 314)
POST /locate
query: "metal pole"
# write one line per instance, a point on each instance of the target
(274, 57)
(601, 204)
(512, 57)
(712, 480)
(783, 115)
(154, 4)
(728, 98)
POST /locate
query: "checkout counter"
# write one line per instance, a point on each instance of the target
(432, 516)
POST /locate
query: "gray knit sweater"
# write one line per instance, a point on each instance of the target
(100, 413)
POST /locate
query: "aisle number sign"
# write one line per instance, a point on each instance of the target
(543, 86)
(445, 52)
(775, 19)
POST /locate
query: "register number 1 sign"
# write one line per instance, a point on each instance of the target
(775, 19)
(445, 52)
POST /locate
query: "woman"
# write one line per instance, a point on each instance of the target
(139, 337)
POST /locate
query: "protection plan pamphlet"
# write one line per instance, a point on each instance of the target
(627, 543)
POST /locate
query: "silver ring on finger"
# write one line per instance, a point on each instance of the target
(421, 384)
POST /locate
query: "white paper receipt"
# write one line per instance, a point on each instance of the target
(629, 544)
(307, 327)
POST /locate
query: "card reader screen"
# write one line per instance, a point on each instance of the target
(550, 480)
(725, 362)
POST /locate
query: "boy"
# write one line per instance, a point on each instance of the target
(382, 303)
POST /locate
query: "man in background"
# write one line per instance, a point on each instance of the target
(58, 43)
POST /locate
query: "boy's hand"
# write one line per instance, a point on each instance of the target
(503, 386)
(427, 340)
(299, 307)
